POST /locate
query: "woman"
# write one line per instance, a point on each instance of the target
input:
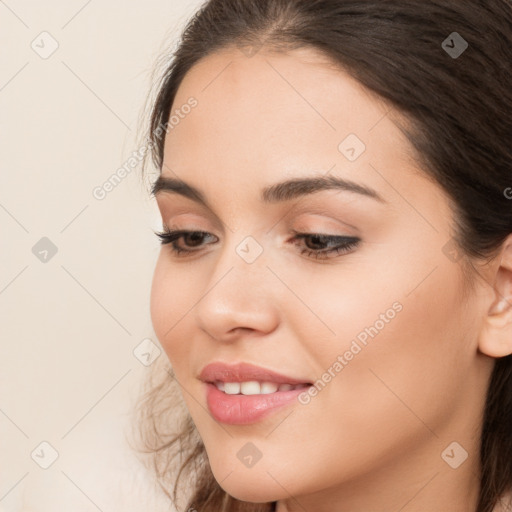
(334, 287)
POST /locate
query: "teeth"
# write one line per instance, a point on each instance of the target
(253, 387)
(268, 387)
(232, 388)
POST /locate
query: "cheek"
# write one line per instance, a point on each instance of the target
(394, 388)
(171, 299)
(402, 346)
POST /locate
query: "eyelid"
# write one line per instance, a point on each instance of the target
(302, 218)
(308, 207)
(192, 212)
(311, 226)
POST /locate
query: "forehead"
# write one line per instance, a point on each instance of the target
(275, 114)
(270, 91)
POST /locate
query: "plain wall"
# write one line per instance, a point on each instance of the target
(70, 321)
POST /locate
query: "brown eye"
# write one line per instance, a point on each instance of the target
(192, 238)
(316, 244)
(340, 244)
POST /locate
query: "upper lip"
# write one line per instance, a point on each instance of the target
(242, 372)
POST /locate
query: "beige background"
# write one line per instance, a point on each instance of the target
(70, 324)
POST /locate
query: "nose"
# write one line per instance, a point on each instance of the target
(240, 298)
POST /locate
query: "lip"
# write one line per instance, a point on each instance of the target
(240, 372)
(245, 409)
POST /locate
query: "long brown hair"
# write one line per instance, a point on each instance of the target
(458, 109)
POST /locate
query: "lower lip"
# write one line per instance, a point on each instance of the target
(246, 409)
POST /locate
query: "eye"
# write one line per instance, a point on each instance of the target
(339, 244)
(172, 236)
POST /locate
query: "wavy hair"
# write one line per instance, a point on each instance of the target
(459, 121)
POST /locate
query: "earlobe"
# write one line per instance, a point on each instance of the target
(496, 335)
(499, 307)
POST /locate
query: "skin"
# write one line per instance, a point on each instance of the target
(372, 439)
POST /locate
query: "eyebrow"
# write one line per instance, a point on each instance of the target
(278, 192)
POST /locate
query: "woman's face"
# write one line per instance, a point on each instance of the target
(381, 326)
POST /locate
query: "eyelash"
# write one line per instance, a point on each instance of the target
(169, 237)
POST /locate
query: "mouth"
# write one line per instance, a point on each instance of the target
(243, 394)
(243, 409)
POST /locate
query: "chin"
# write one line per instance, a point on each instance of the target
(249, 485)
(246, 491)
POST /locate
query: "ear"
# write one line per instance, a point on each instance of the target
(496, 335)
